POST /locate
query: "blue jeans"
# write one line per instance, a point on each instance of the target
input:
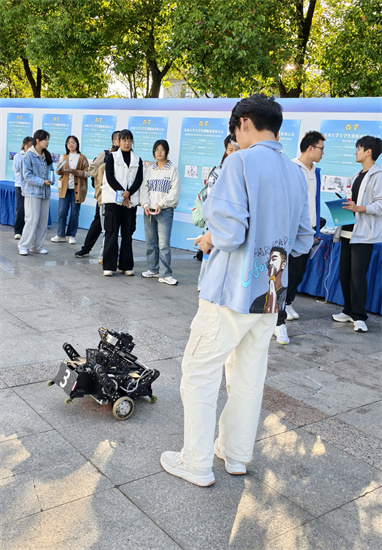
(63, 208)
(157, 235)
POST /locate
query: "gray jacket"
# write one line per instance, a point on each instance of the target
(368, 225)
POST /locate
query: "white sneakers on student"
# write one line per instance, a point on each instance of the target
(149, 274)
(72, 240)
(291, 313)
(169, 280)
(342, 318)
(173, 464)
(281, 334)
(58, 239)
(360, 326)
(233, 467)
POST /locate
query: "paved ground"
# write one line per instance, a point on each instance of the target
(73, 477)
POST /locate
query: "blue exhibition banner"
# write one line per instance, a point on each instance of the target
(19, 126)
(339, 159)
(289, 133)
(96, 134)
(146, 131)
(201, 148)
(59, 127)
(341, 137)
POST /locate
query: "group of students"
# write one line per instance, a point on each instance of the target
(120, 184)
(356, 240)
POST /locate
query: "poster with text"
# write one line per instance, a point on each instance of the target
(146, 131)
(19, 126)
(59, 127)
(338, 161)
(201, 148)
(289, 132)
(96, 134)
(341, 137)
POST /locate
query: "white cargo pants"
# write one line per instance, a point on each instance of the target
(220, 335)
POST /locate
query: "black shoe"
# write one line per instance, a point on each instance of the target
(81, 253)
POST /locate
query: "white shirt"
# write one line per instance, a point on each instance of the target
(310, 176)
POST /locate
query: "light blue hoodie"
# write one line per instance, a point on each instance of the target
(260, 200)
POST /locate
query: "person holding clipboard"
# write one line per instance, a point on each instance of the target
(357, 239)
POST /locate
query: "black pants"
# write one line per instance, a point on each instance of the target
(296, 272)
(93, 233)
(354, 263)
(117, 218)
(20, 214)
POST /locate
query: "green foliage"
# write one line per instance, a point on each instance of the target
(352, 63)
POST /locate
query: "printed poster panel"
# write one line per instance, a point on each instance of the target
(59, 127)
(19, 126)
(201, 148)
(96, 134)
(289, 133)
(338, 162)
(146, 131)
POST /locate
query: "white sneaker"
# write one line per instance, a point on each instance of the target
(129, 273)
(148, 274)
(342, 318)
(58, 239)
(360, 326)
(173, 464)
(72, 240)
(233, 467)
(23, 252)
(281, 334)
(108, 273)
(17, 236)
(169, 280)
(291, 313)
(41, 251)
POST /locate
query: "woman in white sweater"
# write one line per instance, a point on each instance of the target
(159, 197)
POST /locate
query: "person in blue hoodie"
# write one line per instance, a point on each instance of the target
(259, 202)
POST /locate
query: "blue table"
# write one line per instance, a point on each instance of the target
(322, 275)
(8, 203)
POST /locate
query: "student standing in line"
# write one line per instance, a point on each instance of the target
(19, 185)
(159, 197)
(357, 240)
(123, 173)
(96, 171)
(39, 176)
(72, 190)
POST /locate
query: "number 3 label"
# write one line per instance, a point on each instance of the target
(65, 378)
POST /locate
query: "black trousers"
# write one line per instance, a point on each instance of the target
(354, 263)
(94, 232)
(117, 218)
(296, 272)
(20, 214)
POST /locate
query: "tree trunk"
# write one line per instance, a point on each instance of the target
(36, 86)
(156, 77)
(293, 92)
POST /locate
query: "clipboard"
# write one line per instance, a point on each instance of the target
(340, 215)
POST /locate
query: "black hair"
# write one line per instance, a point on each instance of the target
(310, 138)
(76, 140)
(227, 141)
(281, 251)
(113, 134)
(263, 111)
(371, 142)
(40, 135)
(123, 134)
(164, 144)
(26, 140)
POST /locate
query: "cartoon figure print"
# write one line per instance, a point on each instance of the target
(274, 298)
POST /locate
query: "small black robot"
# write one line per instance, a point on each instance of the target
(109, 373)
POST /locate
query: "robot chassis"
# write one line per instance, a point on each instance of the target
(109, 373)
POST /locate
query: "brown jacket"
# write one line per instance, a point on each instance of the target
(80, 180)
(96, 170)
